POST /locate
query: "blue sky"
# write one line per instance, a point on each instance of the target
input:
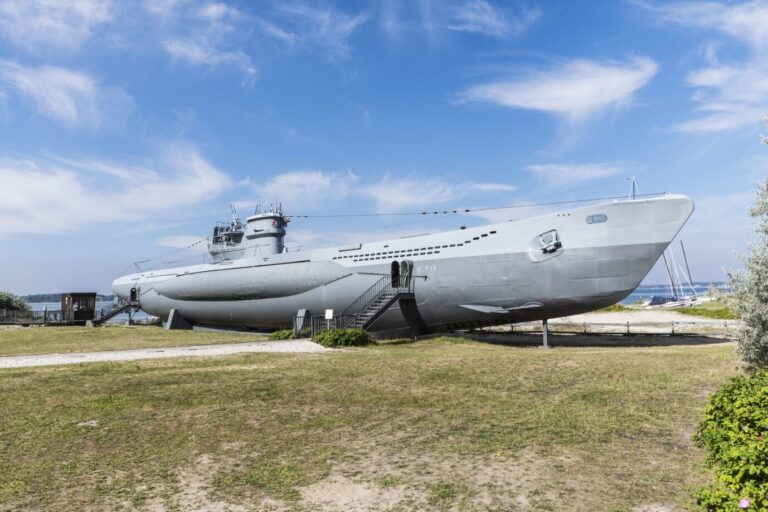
(127, 127)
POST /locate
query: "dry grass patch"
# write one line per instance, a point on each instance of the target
(50, 340)
(444, 424)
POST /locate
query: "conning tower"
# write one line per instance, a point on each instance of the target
(264, 231)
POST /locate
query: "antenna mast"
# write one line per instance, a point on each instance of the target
(633, 187)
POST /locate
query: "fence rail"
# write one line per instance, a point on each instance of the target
(670, 328)
(8, 316)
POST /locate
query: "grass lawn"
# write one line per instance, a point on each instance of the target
(441, 424)
(717, 309)
(48, 340)
(714, 309)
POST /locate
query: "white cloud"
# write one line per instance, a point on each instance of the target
(305, 188)
(70, 97)
(204, 34)
(480, 17)
(747, 22)
(326, 29)
(492, 187)
(52, 25)
(192, 242)
(732, 95)
(201, 52)
(568, 174)
(53, 197)
(576, 89)
(392, 195)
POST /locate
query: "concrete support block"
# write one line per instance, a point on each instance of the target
(176, 321)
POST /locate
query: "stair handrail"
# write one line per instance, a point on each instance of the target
(349, 316)
(115, 309)
(367, 297)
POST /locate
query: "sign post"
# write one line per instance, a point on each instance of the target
(328, 318)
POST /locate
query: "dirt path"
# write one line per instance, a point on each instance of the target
(303, 345)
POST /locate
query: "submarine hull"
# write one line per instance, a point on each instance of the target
(544, 267)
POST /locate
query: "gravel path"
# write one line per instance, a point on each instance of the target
(303, 345)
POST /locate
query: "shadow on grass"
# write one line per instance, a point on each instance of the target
(590, 340)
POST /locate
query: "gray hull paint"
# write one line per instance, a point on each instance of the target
(574, 282)
(598, 264)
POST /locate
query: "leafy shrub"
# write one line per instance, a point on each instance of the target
(282, 334)
(12, 302)
(343, 338)
(735, 433)
(304, 333)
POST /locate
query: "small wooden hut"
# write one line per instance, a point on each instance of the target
(78, 307)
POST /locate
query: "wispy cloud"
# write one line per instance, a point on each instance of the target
(69, 97)
(569, 174)
(325, 29)
(43, 26)
(575, 90)
(392, 195)
(305, 188)
(44, 196)
(181, 242)
(479, 16)
(308, 189)
(747, 22)
(204, 34)
(201, 52)
(730, 96)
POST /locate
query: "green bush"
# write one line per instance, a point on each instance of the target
(282, 334)
(735, 433)
(343, 338)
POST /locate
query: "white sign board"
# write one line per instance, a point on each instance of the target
(329, 314)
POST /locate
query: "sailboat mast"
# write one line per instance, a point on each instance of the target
(669, 274)
(675, 266)
(688, 269)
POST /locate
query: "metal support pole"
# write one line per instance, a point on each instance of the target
(544, 329)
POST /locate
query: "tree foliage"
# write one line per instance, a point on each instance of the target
(12, 302)
(750, 287)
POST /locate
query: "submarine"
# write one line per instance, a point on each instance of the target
(558, 264)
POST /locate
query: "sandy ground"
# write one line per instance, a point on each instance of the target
(303, 345)
(639, 317)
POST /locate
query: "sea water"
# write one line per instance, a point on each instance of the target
(646, 291)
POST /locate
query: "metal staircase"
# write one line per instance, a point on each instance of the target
(111, 311)
(375, 301)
